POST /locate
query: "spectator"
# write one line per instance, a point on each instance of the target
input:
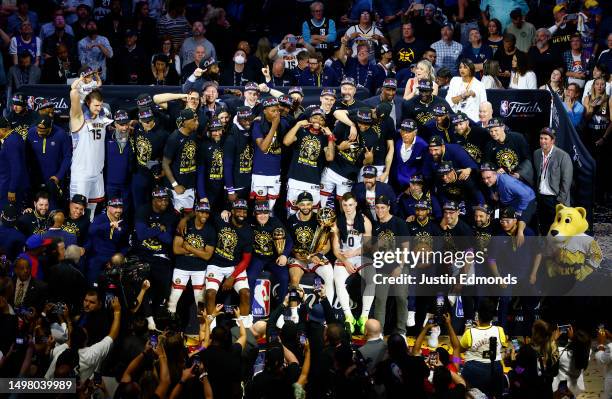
(563, 28)
(280, 77)
(24, 72)
(365, 32)
(220, 30)
(490, 72)
(197, 39)
(477, 371)
(423, 70)
(466, 92)
(485, 113)
(239, 74)
(384, 67)
(573, 362)
(494, 35)
(408, 49)
(522, 77)
(288, 50)
(504, 56)
(60, 68)
(319, 31)
(542, 57)
(431, 56)
(374, 350)
(555, 83)
(428, 25)
(26, 41)
(522, 30)
(79, 27)
(577, 65)
(90, 356)
(130, 61)
(162, 72)
(144, 26)
(13, 176)
(173, 23)
(29, 291)
(21, 15)
(113, 24)
(318, 75)
(574, 108)
(605, 58)
(261, 56)
(553, 176)
(95, 49)
(443, 78)
(168, 49)
(60, 33)
(476, 51)
(447, 49)
(500, 10)
(599, 71)
(360, 69)
(199, 56)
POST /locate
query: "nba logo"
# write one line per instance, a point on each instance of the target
(504, 107)
(261, 298)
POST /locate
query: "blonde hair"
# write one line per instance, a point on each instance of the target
(431, 73)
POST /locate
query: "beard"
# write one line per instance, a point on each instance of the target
(540, 45)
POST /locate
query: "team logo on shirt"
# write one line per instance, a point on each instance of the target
(71, 228)
(263, 243)
(386, 240)
(275, 148)
(195, 241)
(473, 150)
(188, 158)
(144, 150)
(216, 166)
(310, 150)
(406, 55)
(507, 159)
(303, 237)
(226, 243)
(246, 160)
(153, 244)
(22, 130)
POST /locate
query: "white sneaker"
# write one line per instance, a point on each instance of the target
(411, 318)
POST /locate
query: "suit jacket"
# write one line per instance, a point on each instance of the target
(14, 82)
(36, 293)
(559, 173)
(373, 352)
(402, 171)
(372, 102)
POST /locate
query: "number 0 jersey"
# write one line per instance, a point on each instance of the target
(351, 235)
(88, 155)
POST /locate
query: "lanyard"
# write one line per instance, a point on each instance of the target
(545, 159)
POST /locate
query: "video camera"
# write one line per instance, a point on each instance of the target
(124, 280)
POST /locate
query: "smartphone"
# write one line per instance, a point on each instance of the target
(302, 339)
(564, 328)
(431, 320)
(318, 283)
(19, 341)
(97, 378)
(433, 358)
(228, 308)
(516, 345)
(153, 340)
(571, 17)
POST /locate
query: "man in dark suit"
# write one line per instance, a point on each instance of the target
(367, 191)
(388, 94)
(29, 292)
(373, 351)
(553, 171)
(408, 156)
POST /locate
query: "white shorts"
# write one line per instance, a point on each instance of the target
(91, 187)
(380, 169)
(265, 187)
(180, 278)
(307, 267)
(332, 181)
(296, 187)
(183, 202)
(215, 276)
(359, 262)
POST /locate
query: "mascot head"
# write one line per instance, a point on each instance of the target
(568, 222)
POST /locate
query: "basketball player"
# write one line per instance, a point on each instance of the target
(350, 229)
(88, 129)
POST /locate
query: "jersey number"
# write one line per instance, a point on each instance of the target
(351, 241)
(96, 134)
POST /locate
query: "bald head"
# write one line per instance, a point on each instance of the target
(278, 68)
(372, 328)
(73, 253)
(259, 329)
(485, 111)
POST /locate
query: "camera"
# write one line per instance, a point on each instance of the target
(58, 308)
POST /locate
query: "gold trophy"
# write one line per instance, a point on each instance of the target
(279, 238)
(326, 218)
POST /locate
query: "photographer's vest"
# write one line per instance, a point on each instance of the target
(319, 30)
(478, 343)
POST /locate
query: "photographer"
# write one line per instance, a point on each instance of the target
(574, 353)
(475, 342)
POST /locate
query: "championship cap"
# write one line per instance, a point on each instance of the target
(144, 100)
(422, 204)
(269, 102)
(79, 199)
(215, 124)
(146, 114)
(408, 125)
(450, 206)
(160, 192)
(304, 196)
(436, 141)
(416, 179)
(44, 122)
(348, 81)
(244, 113)
(115, 202)
(364, 116)
(382, 199)
(383, 110)
(121, 117)
(390, 83)
(487, 167)
(508, 213)
(369, 171)
(317, 111)
(20, 99)
(445, 167)
(251, 86)
(45, 104)
(286, 101)
(297, 90)
(425, 85)
(202, 206)
(328, 92)
(240, 204)
(439, 110)
(262, 207)
(495, 122)
(482, 207)
(459, 117)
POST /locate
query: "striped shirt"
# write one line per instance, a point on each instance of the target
(177, 28)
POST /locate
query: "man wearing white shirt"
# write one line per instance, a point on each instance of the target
(90, 357)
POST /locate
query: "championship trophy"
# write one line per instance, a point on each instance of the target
(279, 238)
(326, 218)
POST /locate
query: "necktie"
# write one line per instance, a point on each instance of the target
(20, 294)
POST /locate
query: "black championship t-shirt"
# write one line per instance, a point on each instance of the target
(302, 233)
(232, 242)
(211, 156)
(264, 245)
(509, 154)
(474, 143)
(199, 239)
(422, 112)
(79, 227)
(348, 162)
(149, 147)
(182, 151)
(150, 239)
(308, 156)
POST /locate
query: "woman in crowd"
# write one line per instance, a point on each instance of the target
(573, 361)
(599, 71)
(555, 82)
(423, 70)
(490, 79)
(522, 77)
(169, 51)
(262, 51)
(465, 92)
(597, 131)
(162, 73)
(494, 38)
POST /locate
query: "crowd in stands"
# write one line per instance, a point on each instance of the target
(208, 243)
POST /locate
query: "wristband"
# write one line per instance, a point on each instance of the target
(174, 184)
(331, 138)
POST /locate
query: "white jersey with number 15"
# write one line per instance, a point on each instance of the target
(88, 155)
